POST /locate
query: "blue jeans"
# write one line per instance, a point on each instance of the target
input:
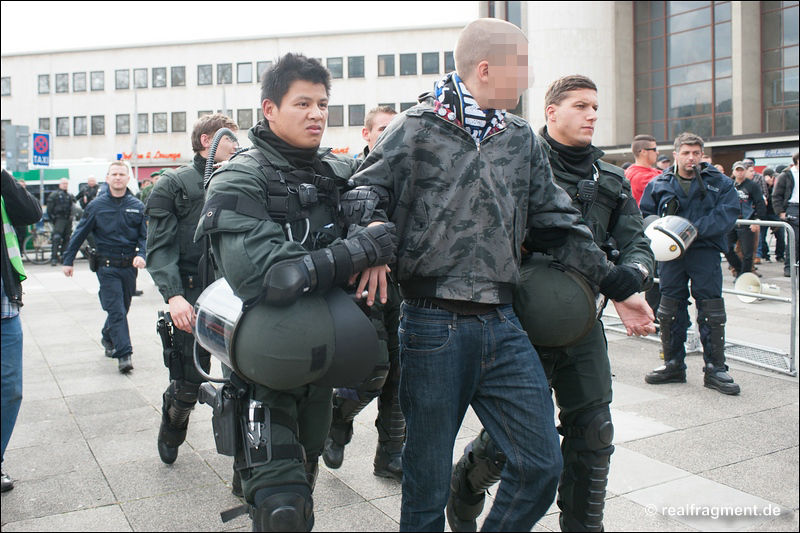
(11, 376)
(449, 362)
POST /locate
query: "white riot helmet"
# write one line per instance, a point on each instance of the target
(669, 236)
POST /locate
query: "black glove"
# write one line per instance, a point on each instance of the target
(621, 283)
(544, 239)
(288, 280)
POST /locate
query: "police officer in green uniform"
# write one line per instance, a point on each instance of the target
(59, 209)
(174, 207)
(348, 403)
(272, 215)
(579, 373)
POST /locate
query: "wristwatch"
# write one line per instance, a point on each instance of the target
(642, 270)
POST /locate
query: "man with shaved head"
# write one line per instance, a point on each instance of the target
(467, 185)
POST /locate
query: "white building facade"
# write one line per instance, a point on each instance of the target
(96, 103)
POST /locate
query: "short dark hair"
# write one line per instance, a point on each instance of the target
(289, 69)
(688, 138)
(558, 90)
(640, 142)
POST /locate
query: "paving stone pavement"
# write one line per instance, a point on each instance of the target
(84, 456)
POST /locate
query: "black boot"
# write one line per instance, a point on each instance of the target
(718, 378)
(711, 317)
(339, 436)
(388, 464)
(174, 423)
(391, 427)
(668, 373)
(477, 470)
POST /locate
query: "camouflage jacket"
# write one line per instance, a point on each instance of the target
(246, 246)
(622, 222)
(462, 208)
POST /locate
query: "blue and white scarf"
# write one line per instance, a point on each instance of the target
(456, 104)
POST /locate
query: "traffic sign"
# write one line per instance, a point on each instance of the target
(41, 149)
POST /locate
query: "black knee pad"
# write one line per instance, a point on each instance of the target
(287, 507)
(595, 428)
(712, 312)
(668, 310)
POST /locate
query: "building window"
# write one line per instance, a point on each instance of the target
(159, 76)
(62, 127)
(178, 121)
(390, 104)
(335, 115)
(336, 67)
(140, 78)
(244, 73)
(78, 82)
(98, 81)
(780, 94)
(98, 125)
(122, 79)
(386, 65)
(244, 117)
(123, 124)
(406, 105)
(62, 83)
(430, 63)
(79, 126)
(682, 64)
(204, 113)
(178, 76)
(355, 115)
(355, 67)
(5, 86)
(141, 126)
(204, 74)
(44, 84)
(224, 74)
(261, 68)
(408, 64)
(449, 62)
(159, 122)
(44, 124)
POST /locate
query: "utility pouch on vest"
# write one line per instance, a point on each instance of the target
(224, 420)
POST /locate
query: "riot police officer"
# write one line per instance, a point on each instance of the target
(574, 354)
(271, 215)
(348, 403)
(174, 207)
(59, 209)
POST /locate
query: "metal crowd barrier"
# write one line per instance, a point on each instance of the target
(761, 356)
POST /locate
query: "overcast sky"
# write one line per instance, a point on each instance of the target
(44, 26)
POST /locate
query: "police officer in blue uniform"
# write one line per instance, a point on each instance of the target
(118, 223)
(708, 199)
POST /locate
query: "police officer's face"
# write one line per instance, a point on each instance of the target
(300, 119)
(225, 149)
(117, 180)
(63, 184)
(686, 158)
(572, 121)
(91, 182)
(379, 123)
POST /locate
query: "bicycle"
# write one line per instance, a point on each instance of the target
(38, 247)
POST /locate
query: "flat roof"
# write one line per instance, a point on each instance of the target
(248, 38)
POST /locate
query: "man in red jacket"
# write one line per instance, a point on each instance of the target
(640, 173)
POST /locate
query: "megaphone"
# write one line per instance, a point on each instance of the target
(670, 236)
(749, 282)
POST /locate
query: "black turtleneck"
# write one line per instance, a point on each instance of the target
(300, 158)
(576, 160)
